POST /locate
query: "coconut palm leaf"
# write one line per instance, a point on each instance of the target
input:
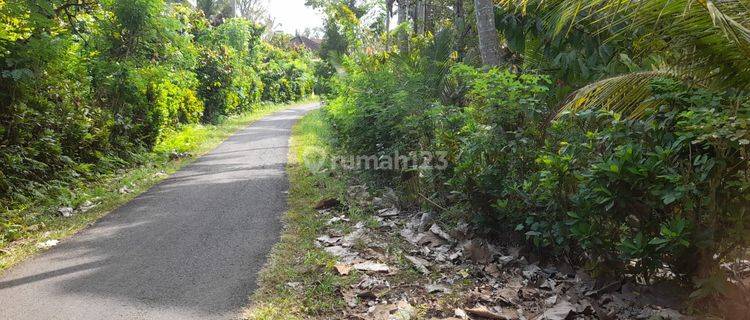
(700, 41)
(629, 94)
(732, 28)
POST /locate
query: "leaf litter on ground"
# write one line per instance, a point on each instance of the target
(483, 281)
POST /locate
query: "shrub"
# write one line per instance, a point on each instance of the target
(46, 124)
(324, 72)
(498, 135)
(668, 190)
(384, 106)
(659, 195)
(91, 87)
(288, 75)
(227, 86)
(179, 98)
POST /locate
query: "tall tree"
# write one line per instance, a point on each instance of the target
(489, 44)
(388, 14)
(253, 10)
(420, 17)
(403, 17)
(217, 11)
(208, 7)
(460, 25)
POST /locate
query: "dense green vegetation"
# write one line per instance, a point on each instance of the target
(91, 87)
(613, 134)
(39, 220)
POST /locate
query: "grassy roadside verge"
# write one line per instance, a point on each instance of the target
(295, 261)
(115, 189)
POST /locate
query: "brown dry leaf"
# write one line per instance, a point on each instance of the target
(460, 313)
(493, 270)
(338, 251)
(389, 212)
(343, 269)
(430, 239)
(439, 232)
(419, 264)
(372, 267)
(410, 235)
(328, 240)
(350, 297)
(381, 312)
(350, 239)
(477, 251)
(528, 294)
(482, 311)
(508, 295)
(561, 311)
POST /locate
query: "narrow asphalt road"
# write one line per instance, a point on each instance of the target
(189, 248)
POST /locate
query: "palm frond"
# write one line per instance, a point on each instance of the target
(709, 39)
(628, 94)
(731, 27)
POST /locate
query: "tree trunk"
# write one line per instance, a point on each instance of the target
(403, 17)
(460, 24)
(388, 11)
(489, 44)
(419, 22)
(429, 14)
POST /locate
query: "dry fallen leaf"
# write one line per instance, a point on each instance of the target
(343, 269)
(434, 288)
(47, 244)
(338, 251)
(419, 263)
(460, 313)
(65, 212)
(429, 239)
(372, 267)
(439, 232)
(405, 311)
(327, 240)
(482, 311)
(389, 212)
(477, 251)
(561, 311)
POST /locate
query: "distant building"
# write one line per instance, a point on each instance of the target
(302, 41)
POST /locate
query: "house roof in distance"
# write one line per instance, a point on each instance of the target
(302, 41)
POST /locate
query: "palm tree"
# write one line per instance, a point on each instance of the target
(253, 10)
(489, 44)
(217, 10)
(208, 7)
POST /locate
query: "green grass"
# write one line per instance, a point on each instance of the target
(296, 259)
(40, 213)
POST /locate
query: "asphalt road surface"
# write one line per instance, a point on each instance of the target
(189, 248)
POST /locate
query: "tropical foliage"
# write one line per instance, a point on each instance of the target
(613, 133)
(88, 87)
